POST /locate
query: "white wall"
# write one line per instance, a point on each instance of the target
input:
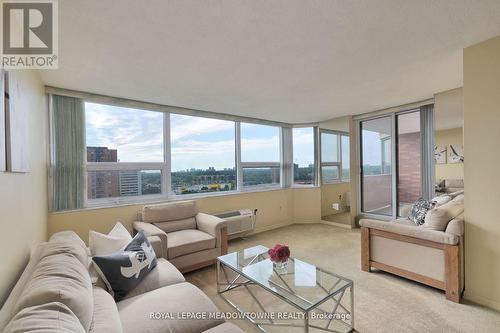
(23, 196)
(481, 172)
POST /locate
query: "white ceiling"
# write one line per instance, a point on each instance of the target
(285, 60)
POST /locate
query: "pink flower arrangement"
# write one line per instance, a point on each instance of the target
(279, 253)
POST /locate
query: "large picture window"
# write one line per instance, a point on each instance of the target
(125, 151)
(260, 155)
(109, 154)
(203, 154)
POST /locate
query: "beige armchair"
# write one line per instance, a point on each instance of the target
(187, 238)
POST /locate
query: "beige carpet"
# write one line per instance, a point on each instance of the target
(382, 302)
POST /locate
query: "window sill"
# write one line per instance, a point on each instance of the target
(162, 199)
(337, 183)
(304, 186)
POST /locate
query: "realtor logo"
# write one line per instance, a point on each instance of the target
(29, 34)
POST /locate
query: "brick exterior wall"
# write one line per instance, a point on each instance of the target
(409, 167)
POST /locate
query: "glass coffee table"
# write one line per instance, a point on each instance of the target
(300, 296)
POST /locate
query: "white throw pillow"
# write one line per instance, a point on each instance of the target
(101, 244)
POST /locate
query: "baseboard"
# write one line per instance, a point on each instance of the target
(495, 305)
(306, 221)
(269, 227)
(336, 224)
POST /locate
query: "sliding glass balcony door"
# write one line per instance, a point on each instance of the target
(376, 166)
(393, 173)
(409, 152)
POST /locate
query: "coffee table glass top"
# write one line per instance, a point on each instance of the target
(301, 283)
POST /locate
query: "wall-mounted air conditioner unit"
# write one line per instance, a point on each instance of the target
(239, 222)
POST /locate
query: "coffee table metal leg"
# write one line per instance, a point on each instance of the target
(306, 322)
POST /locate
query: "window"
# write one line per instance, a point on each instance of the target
(334, 157)
(346, 149)
(117, 134)
(203, 154)
(303, 156)
(260, 155)
(125, 151)
(119, 154)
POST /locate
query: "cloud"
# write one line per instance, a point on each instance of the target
(136, 134)
(188, 127)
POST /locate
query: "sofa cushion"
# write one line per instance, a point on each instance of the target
(188, 241)
(66, 243)
(457, 183)
(123, 270)
(404, 221)
(48, 317)
(412, 231)
(60, 278)
(115, 240)
(176, 225)
(8, 307)
(459, 198)
(106, 318)
(171, 211)
(140, 313)
(225, 328)
(438, 218)
(164, 274)
(69, 237)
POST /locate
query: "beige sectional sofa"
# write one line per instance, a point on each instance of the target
(55, 294)
(432, 254)
(180, 233)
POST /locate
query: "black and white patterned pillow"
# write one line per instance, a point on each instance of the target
(419, 209)
(123, 270)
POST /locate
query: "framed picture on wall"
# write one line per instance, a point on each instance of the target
(456, 154)
(3, 153)
(16, 127)
(439, 154)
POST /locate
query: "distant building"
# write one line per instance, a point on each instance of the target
(101, 154)
(295, 171)
(130, 183)
(102, 184)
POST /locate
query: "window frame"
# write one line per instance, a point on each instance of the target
(256, 165)
(339, 161)
(285, 164)
(316, 148)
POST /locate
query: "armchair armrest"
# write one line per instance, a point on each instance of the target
(150, 230)
(214, 226)
(411, 231)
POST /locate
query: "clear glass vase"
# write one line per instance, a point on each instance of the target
(280, 266)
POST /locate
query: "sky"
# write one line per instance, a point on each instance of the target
(195, 142)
